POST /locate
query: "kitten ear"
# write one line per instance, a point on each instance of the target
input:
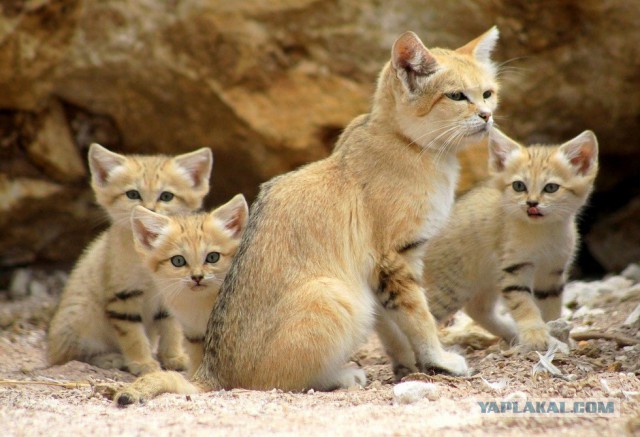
(196, 166)
(411, 60)
(501, 148)
(582, 152)
(102, 162)
(481, 47)
(233, 215)
(147, 226)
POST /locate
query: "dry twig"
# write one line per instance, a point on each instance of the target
(621, 340)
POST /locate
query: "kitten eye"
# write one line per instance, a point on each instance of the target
(166, 196)
(133, 195)
(487, 94)
(519, 186)
(551, 188)
(213, 257)
(178, 261)
(457, 96)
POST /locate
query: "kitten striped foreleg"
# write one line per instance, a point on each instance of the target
(170, 351)
(124, 312)
(549, 298)
(517, 290)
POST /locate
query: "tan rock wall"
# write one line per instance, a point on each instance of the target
(268, 85)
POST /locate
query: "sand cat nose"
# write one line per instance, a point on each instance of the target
(197, 278)
(485, 115)
(532, 203)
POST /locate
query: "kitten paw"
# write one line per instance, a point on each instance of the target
(447, 362)
(177, 362)
(142, 368)
(535, 338)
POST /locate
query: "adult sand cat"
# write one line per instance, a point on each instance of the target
(110, 310)
(514, 238)
(189, 256)
(331, 245)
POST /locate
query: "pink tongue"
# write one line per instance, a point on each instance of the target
(533, 211)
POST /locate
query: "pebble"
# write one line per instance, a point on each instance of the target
(19, 288)
(633, 317)
(560, 329)
(632, 272)
(412, 391)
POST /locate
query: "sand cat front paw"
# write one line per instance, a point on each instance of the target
(176, 362)
(447, 362)
(536, 338)
(141, 368)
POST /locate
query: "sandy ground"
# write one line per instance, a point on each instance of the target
(74, 398)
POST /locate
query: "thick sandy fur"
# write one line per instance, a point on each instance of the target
(493, 250)
(110, 312)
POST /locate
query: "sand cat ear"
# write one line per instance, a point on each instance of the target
(196, 166)
(481, 47)
(501, 148)
(102, 162)
(148, 227)
(582, 152)
(411, 60)
(233, 215)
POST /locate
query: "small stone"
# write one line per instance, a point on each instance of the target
(19, 288)
(633, 317)
(412, 391)
(632, 272)
(38, 289)
(560, 329)
(311, 391)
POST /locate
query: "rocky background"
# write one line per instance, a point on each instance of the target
(269, 85)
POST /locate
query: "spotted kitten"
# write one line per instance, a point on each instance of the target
(110, 313)
(189, 256)
(513, 238)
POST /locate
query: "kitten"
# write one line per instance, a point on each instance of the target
(513, 238)
(333, 246)
(189, 256)
(110, 313)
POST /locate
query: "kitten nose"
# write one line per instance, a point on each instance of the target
(197, 278)
(485, 115)
(532, 203)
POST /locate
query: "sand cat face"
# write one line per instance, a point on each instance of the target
(190, 253)
(447, 97)
(544, 183)
(159, 183)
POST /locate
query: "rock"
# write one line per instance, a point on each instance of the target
(615, 241)
(633, 318)
(19, 288)
(270, 85)
(560, 329)
(413, 391)
(632, 272)
(54, 149)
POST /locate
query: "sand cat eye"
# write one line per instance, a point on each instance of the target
(487, 94)
(166, 196)
(457, 96)
(133, 195)
(551, 188)
(519, 186)
(178, 261)
(213, 257)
